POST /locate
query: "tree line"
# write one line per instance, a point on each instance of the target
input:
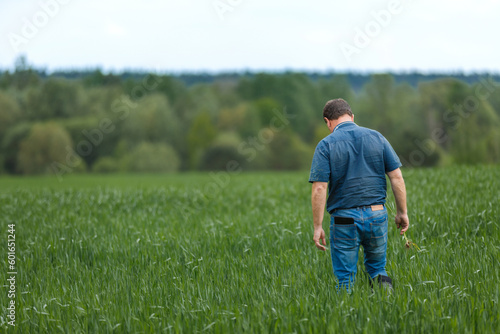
(107, 123)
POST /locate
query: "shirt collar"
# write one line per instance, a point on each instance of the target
(341, 124)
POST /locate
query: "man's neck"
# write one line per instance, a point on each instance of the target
(340, 120)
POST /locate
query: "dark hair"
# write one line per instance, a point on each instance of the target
(335, 108)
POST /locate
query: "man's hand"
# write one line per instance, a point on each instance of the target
(319, 235)
(402, 222)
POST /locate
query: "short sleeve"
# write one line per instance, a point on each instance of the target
(320, 168)
(391, 159)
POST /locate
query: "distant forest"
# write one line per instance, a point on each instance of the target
(355, 79)
(90, 121)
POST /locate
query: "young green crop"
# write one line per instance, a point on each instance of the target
(174, 253)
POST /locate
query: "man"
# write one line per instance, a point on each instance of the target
(351, 164)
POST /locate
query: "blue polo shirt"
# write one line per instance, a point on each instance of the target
(354, 160)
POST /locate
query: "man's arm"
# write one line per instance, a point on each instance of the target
(318, 201)
(399, 190)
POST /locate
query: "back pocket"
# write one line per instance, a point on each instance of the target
(378, 226)
(343, 233)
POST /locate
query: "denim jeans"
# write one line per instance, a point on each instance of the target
(367, 228)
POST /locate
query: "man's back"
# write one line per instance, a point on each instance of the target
(354, 161)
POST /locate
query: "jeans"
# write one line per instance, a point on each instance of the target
(367, 228)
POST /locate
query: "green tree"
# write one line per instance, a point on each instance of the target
(107, 101)
(152, 158)
(410, 137)
(441, 102)
(171, 87)
(376, 106)
(10, 113)
(46, 144)
(251, 122)
(56, 98)
(97, 136)
(476, 139)
(200, 136)
(106, 165)
(223, 151)
(200, 98)
(336, 87)
(153, 120)
(24, 76)
(11, 144)
(493, 96)
(266, 109)
(299, 97)
(289, 152)
(232, 119)
(294, 92)
(97, 78)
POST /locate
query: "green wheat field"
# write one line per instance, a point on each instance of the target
(233, 253)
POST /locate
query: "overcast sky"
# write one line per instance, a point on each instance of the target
(194, 35)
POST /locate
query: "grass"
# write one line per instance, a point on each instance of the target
(221, 253)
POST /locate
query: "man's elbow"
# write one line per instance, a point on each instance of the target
(320, 187)
(395, 175)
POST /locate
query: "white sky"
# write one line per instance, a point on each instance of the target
(189, 35)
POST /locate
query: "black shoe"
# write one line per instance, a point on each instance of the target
(383, 282)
